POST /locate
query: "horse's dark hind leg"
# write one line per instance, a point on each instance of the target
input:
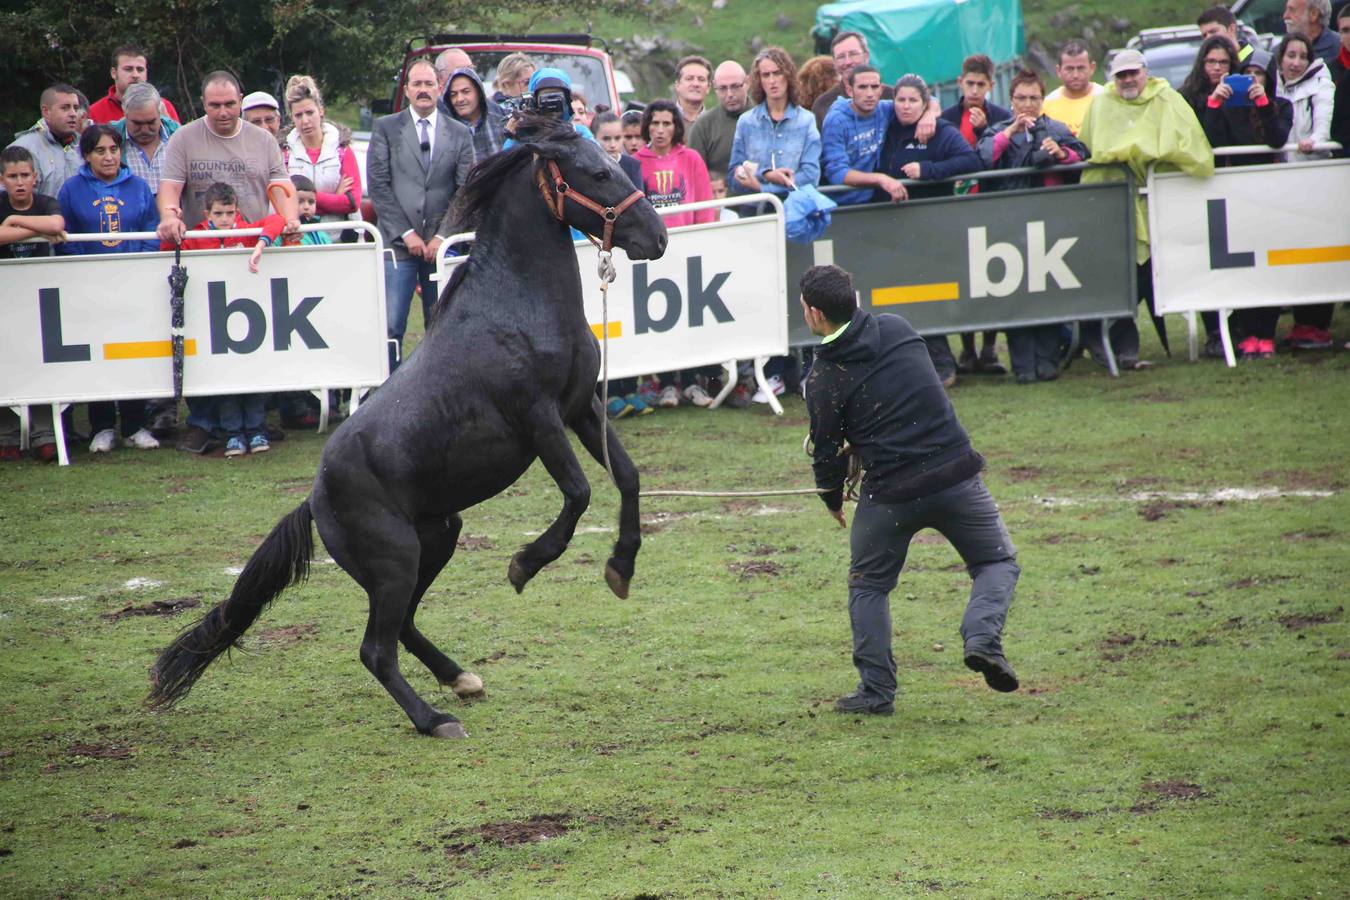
(555, 451)
(387, 574)
(438, 539)
(591, 430)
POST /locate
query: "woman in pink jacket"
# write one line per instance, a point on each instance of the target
(672, 173)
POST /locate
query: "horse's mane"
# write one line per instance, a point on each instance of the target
(537, 133)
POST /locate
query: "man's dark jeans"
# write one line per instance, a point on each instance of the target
(966, 514)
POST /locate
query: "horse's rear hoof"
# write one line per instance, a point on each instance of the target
(516, 573)
(617, 583)
(467, 685)
(449, 731)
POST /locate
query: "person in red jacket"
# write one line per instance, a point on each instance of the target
(128, 67)
(222, 215)
(242, 418)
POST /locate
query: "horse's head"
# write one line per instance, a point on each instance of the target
(588, 191)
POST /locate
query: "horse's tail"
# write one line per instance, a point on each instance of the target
(281, 561)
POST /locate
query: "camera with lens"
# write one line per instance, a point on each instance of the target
(1040, 158)
(550, 103)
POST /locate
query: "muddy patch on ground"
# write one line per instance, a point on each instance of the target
(101, 751)
(1308, 620)
(1063, 539)
(1312, 534)
(497, 656)
(931, 538)
(1156, 793)
(154, 608)
(655, 522)
(1252, 581)
(1023, 473)
(760, 549)
(1158, 509)
(1064, 815)
(537, 828)
(281, 636)
(1304, 479)
(1160, 396)
(755, 568)
(475, 542)
(297, 486)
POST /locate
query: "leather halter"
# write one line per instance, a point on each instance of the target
(562, 191)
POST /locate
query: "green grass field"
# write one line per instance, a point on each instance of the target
(1180, 731)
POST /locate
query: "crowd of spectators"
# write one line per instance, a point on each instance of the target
(126, 164)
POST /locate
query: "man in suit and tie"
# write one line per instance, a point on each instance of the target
(418, 159)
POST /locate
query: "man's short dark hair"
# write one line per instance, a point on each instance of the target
(1219, 14)
(219, 192)
(1074, 48)
(95, 133)
(223, 77)
(1343, 12)
(979, 64)
(693, 60)
(830, 290)
(657, 106)
(14, 155)
(845, 35)
(50, 94)
(302, 183)
(128, 50)
(861, 70)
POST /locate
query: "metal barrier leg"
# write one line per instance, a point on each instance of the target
(355, 403)
(763, 383)
(24, 436)
(1192, 340)
(1108, 349)
(728, 384)
(59, 427)
(322, 394)
(1228, 355)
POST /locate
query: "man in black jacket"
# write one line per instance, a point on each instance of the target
(873, 386)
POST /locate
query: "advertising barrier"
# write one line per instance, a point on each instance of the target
(983, 262)
(81, 328)
(716, 296)
(1251, 236)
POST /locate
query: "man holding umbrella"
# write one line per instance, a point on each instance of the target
(1139, 121)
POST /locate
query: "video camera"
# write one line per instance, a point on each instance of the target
(552, 103)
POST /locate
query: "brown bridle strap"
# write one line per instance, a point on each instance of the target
(562, 191)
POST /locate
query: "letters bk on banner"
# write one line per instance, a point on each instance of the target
(82, 328)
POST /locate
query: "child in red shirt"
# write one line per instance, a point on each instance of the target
(222, 214)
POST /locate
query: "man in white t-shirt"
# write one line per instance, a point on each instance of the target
(1069, 104)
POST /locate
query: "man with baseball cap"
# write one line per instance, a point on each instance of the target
(1138, 121)
(261, 109)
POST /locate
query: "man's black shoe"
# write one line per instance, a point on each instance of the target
(857, 703)
(197, 440)
(995, 669)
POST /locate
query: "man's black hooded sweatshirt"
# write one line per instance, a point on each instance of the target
(875, 386)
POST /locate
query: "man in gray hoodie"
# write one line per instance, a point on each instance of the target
(468, 103)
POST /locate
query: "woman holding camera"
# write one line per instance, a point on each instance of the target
(1256, 117)
(1030, 138)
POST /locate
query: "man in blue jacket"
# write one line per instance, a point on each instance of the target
(874, 388)
(850, 143)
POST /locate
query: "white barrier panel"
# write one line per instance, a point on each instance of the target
(1251, 236)
(81, 328)
(717, 294)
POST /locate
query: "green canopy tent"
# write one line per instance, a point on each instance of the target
(930, 37)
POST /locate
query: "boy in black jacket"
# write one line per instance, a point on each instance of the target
(873, 386)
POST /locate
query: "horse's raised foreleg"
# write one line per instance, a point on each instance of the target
(555, 451)
(591, 430)
(438, 539)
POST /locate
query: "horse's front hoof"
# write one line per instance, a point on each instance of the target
(467, 685)
(516, 573)
(449, 731)
(617, 583)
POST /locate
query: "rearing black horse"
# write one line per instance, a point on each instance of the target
(508, 364)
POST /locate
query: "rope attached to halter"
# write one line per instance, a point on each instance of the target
(556, 199)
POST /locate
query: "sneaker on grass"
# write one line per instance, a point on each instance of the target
(235, 447)
(141, 440)
(640, 407)
(649, 392)
(696, 395)
(103, 442)
(258, 444)
(197, 440)
(670, 397)
(618, 407)
(775, 384)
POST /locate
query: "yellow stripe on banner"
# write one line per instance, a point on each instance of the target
(615, 330)
(916, 293)
(1302, 256)
(146, 349)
